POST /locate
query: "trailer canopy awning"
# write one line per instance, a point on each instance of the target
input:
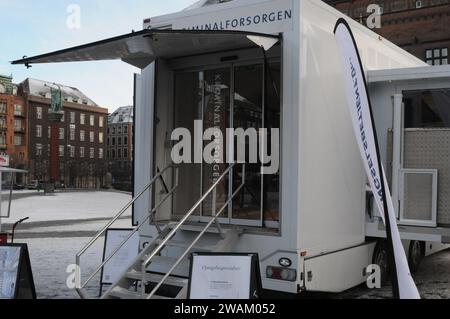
(142, 48)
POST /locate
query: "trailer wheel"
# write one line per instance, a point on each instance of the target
(381, 258)
(416, 255)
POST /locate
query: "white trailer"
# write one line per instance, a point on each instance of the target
(309, 223)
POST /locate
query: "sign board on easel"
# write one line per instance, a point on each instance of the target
(224, 276)
(16, 276)
(113, 269)
(4, 160)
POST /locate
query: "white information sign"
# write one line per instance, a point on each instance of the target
(4, 160)
(123, 258)
(9, 269)
(220, 277)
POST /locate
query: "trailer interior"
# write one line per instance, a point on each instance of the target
(229, 89)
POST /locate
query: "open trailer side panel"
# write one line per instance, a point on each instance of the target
(410, 111)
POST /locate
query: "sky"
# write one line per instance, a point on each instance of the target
(32, 27)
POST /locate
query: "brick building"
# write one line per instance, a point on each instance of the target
(420, 27)
(13, 125)
(120, 147)
(82, 136)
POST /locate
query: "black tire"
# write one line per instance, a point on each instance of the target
(381, 258)
(416, 255)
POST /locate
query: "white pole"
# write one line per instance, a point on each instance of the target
(397, 151)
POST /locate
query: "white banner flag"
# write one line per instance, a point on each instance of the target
(363, 123)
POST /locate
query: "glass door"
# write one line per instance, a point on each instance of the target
(216, 120)
(188, 105)
(222, 98)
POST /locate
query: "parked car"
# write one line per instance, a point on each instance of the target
(33, 185)
(19, 187)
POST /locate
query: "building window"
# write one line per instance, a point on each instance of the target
(39, 131)
(18, 125)
(61, 151)
(3, 139)
(18, 110)
(125, 153)
(18, 140)
(119, 153)
(114, 130)
(92, 153)
(72, 151)
(82, 136)
(119, 130)
(114, 141)
(125, 140)
(61, 133)
(101, 121)
(119, 141)
(113, 154)
(437, 56)
(92, 120)
(82, 150)
(100, 153)
(83, 119)
(100, 138)
(3, 108)
(63, 117)
(39, 113)
(92, 137)
(125, 129)
(49, 132)
(72, 117)
(72, 134)
(38, 149)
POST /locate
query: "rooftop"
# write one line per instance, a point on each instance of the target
(6, 85)
(121, 115)
(43, 89)
(204, 3)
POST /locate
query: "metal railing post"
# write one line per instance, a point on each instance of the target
(80, 286)
(213, 220)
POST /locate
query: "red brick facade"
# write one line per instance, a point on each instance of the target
(420, 27)
(13, 129)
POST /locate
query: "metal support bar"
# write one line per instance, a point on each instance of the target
(188, 215)
(13, 178)
(397, 151)
(80, 287)
(202, 233)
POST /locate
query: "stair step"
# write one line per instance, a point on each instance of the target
(122, 293)
(184, 245)
(199, 228)
(155, 278)
(162, 264)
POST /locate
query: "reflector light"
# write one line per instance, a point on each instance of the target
(284, 274)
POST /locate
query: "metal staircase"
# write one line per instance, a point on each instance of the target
(155, 273)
